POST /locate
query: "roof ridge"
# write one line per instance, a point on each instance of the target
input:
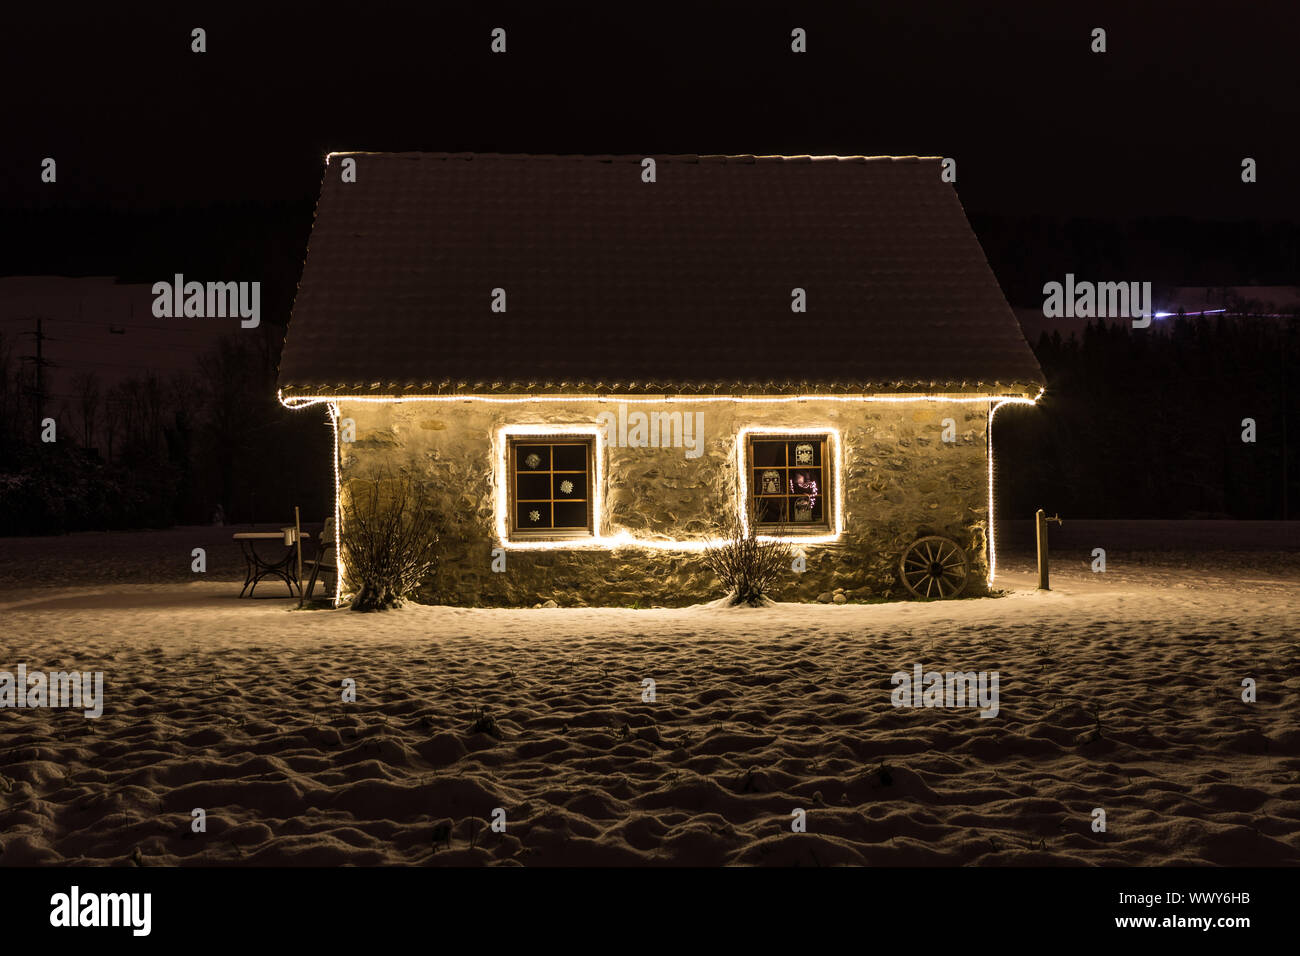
(694, 158)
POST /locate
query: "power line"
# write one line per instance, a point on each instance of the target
(130, 328)
(140, 345)
(129, 365)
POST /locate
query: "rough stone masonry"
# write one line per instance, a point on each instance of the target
(901, 480)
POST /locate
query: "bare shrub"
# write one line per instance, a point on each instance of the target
(747, 567)
(391, 533)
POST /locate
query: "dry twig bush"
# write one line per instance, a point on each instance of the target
(749, 568)
(391, 535)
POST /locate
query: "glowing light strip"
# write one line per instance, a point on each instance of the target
(634, 157)
(338, 513)
(302, 401)
(993, 410)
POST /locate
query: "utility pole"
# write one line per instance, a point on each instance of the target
(1285, 478)
(40, 369)
(38, 393)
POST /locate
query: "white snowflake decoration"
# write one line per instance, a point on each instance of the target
(534, 516)
(566, 487)
(532, 461)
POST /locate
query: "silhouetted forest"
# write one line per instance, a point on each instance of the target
(151, 452)
(1149, 424)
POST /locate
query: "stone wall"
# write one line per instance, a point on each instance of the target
(900, 481)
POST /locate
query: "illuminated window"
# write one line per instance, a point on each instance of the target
(789, 483)
(551, 486)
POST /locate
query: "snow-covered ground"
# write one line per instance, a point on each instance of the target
(1119, 691)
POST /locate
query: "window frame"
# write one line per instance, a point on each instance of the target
(550, 439)
(830, 520)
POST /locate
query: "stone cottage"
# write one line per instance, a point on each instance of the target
(596, 364)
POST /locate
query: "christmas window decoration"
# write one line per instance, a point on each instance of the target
(550, 486)
(789, 483)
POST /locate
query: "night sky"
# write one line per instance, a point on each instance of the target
(1156, 126)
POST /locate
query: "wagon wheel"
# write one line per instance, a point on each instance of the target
(934, 567)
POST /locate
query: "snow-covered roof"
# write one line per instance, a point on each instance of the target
(617, 285)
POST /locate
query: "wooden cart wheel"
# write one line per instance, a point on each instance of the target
(934, 567)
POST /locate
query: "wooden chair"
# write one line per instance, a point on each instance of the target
(324, 559)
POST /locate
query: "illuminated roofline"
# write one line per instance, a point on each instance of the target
(636, 157)
(302, 401)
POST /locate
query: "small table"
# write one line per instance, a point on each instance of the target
(256, 567)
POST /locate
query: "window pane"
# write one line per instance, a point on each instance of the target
(805, 510)
(769, 481)
(570, 514)
(532, 487)
(806, 481)
(805, 453)
(772, 510)
(532, 458)
(768, 453)
(570, 457)
(569, 487)
(532, 515)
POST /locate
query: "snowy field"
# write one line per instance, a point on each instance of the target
(1119, 691)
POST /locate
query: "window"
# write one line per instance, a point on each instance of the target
(551, 485)
(789, 483)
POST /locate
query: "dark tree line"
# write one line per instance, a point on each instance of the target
(154, 452)
(1149, 423)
